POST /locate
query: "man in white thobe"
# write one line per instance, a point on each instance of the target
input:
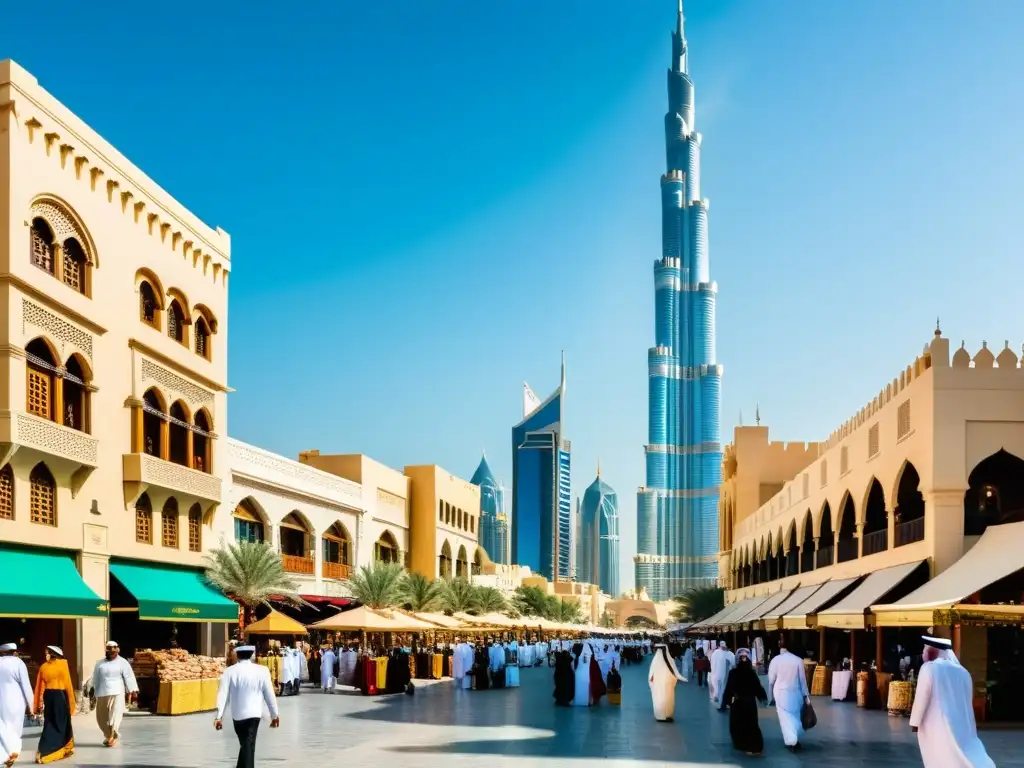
(720, 666)
(112, 680)
(327, 671)
(662, 677)
(287, 672)
(581, 662)
(943, 712)
(15, 701)
(688, 662)
(247, 687)
(787, 686)
(467, 651)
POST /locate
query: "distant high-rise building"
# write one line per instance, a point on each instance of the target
(677, 509)
(541, 494)
(598, 545)
(493, 518)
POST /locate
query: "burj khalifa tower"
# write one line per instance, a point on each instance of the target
(677, 508)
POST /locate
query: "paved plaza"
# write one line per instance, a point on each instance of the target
(442, 726)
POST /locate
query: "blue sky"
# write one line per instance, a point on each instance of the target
(429, 201)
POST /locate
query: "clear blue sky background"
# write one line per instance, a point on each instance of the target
(429, 201)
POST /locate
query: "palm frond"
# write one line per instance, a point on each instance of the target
(251, 572)
(458, 596)
(421, 593)
(489, 600)
(381, 585)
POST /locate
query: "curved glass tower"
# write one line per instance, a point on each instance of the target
(493, 534)
(598, 547)
(677, 509)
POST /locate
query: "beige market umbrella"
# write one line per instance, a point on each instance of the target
(369, 620)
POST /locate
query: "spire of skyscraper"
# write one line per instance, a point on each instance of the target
(677, 509)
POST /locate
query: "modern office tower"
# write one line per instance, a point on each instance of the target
(598, 542)
(493, 518)
(677, 518)
(541, 496)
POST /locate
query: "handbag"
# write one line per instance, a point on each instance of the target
(808, 719)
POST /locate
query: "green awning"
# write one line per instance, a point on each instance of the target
(165, 593)
(43, 583)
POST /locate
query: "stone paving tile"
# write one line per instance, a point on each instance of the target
(442, 725)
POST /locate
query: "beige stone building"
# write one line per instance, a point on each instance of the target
(900, 521)
(444, 519)
(113, 354)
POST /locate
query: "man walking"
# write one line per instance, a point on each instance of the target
(247, 687)
(722, 661)
(15, 701)
(787, 687)
(943, 712)
(113, 680)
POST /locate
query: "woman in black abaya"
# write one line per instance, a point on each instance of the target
(742, 692)
(565, 679)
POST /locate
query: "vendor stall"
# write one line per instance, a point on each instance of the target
(175, 682)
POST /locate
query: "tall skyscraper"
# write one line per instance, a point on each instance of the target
(541, 503)
(598, 543)
(677, 518)
(493, 517)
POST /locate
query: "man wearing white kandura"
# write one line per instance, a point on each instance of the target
(113, 680)
(247, 687)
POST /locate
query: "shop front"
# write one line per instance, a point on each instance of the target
(42, 597)
(158, 606)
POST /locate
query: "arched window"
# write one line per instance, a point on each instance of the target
(807, 545)
(995, 494)
(248, 522)
(76, 395)
(847, 532)
(149, 305)
(826, 539)
(74, 266)
(876, 521)
(337, 552)
(201, 458)
(144, 520)
(41, 245)
(909, 509)
(295, 536)
(176, 322)
(202, 338)
(178, 434)
(386, 548)
(195, 528)
(445, 561)
(6, 493)
(42, 497)
(478, 562)
(153, 417)
(41, 368)
(169, 524)
(462, 564)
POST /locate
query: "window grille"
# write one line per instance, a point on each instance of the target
(42, 497)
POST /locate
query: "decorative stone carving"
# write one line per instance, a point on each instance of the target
(54, 439)
(59, 329)
(293, 473)
(175, 384)
(62, 224)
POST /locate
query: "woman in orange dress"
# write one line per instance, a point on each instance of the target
(55, 698)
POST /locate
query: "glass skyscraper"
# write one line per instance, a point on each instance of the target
(598, 546)
(541, 503)
(493, 534)
(677, 509)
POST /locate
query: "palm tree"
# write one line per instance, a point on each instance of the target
(531, 601)
(421, 593)
(250, 572)
(699, 603)
(381, 585)
(458, 596)
(566, 612)
(489, 600)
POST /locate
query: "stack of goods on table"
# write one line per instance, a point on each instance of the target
(176, 682)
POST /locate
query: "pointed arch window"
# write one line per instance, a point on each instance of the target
(178, 434)
(149, 305)
(41, 245)
(41, 383)
(195, 529)
(6, 493)
(42, 497)
(74, 265)
(169, 524)
(202, 338)
(201, 454)
(144, 520)
(153, 420)
(76, 396)
(176, 322)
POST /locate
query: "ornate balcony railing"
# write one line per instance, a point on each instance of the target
(876, 542)
(30, 431)
(336, 571)
(298, 564)
(910, 532)
(150, 471)
(847, 550)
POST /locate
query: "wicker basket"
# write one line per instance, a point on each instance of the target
(901, 698)
(862, 689)
(821, 685)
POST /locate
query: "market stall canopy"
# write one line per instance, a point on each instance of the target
(698, 626)
(763, 608)
(997, 554)
(45, 584)
(363, 618)
(275, 623)
(494, 620)
(773, 618)
(802, 616)
(850, 612)
(166, 593)
(739, 608)
(441, 620)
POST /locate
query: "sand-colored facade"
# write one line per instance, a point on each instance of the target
(445, 523)
(113, 351)
(897, 483)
